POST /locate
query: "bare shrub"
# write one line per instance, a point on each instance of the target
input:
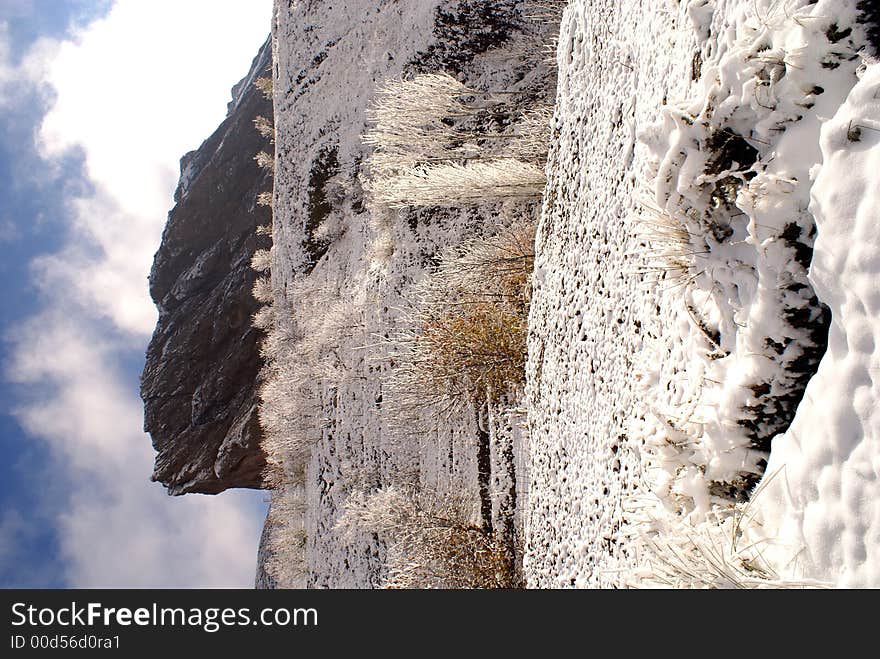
(265, 161)
(287, 537)
(434, 117)
(468, 327)
(432, 539)
(467, 353)
(265, 86)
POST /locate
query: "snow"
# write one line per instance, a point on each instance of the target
(338, 301)
(820, 515)
(704, 153)
(746, 226)
(674, 327)
(591, 310)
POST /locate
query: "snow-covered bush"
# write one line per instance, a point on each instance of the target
(432, 540)
(732, 183)
(262, 290)
(300, 354)
(531, 136)
(454, 184)
(265, 161)
(265, 128)
(261, 261)
(286, 537)
(297, 361)
(265, 86)
(438, 143)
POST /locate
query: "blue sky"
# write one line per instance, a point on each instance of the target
(98, 101)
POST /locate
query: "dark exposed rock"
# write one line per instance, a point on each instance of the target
(869, 16)
(467, 28)
(200, 379)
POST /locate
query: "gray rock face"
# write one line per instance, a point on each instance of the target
(199, 384)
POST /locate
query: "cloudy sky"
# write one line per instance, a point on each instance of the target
(98, 101)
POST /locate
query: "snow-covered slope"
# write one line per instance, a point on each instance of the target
(342, 271)
(674, 327)
(820, 514)
(675, 320)
(591, 311)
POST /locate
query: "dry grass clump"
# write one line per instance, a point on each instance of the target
(432, 541)
(724, 549)
(672, 254)
(544, 11)
(481, 343)
(468, 327)
(454, 184)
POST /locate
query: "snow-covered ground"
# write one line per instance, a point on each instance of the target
(674, 327)
(343, 272)
(821, 513)
(592, 311)
(701, 151)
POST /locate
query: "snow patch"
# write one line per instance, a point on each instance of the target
(820, 517)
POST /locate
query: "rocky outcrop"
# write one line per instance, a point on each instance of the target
(199, 383)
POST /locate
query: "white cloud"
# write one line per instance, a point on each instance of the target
(8, 231)
(113, 283)
(117, 528)
(7, 71)
(134, 91)
(29, 71)
(137, 89)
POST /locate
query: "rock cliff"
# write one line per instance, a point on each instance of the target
(203, 363)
